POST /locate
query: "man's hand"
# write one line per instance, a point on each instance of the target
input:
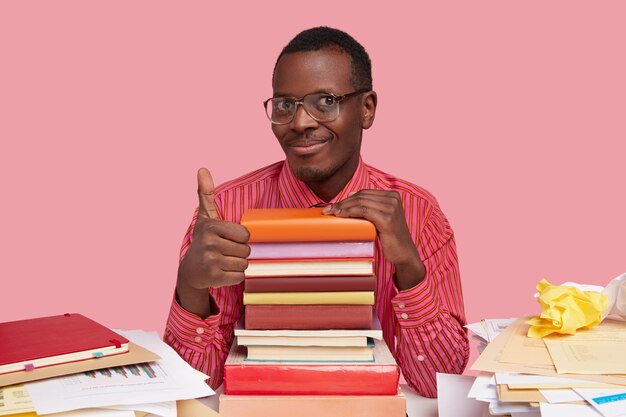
(217, 254)
(384, 209)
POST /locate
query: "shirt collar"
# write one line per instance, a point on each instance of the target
(295, 193)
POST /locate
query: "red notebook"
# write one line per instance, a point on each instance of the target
(45, 341)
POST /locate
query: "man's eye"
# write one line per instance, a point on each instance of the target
(284, 105)
(326, 101)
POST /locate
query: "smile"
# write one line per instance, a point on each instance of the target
(307, 147)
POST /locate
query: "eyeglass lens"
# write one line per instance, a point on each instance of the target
(321, 107)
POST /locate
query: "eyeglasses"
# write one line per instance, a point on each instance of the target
(322, 107)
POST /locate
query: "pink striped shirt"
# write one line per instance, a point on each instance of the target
(423, 326)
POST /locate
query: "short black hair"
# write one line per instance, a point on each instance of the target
(324, 37)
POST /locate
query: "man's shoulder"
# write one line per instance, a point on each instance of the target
(257, 178)
(385, 181)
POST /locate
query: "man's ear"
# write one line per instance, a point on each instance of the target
(368, 111)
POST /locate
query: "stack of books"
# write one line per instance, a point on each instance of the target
(309, 343)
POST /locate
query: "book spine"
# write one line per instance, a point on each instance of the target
(299, 250)
(320, 298)
(312, 406)
(309, 284)
(287, 379)
(302, 317)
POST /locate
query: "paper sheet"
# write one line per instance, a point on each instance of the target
(616, 293)
(14, 399)
(522, 349)
(569, 410)
(557, 396)
(529, 395)
(163, 409)
(591, 351)
(453, 398)
(168, 379)
(488, 329)
(521, 381)
(483, 389)
(609, 402)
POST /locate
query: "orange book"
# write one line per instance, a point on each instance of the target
(304, 225)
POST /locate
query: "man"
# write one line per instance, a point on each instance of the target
(322, 100)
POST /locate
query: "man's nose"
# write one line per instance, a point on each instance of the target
(302, 120)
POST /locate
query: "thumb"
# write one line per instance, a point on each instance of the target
(206, 194)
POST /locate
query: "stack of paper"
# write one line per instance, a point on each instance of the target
(574, 375)
(150, 378)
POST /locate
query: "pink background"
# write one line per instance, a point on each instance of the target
(511, 113)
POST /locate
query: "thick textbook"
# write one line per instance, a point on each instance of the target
(311, 353)
(309, 267)
(313, 405)
(340, 297)
(304, 225)
(305, 284)
(287, 316)
(34, 343)
(297, 250)
(379, 377)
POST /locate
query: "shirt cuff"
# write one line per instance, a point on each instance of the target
(417, 305)
(190, 329)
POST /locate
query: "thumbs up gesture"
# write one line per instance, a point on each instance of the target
(217, 254)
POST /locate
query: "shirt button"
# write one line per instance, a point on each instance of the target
(420, 358)
(401, 305)
(404, 316)
(198, 339)
(200, 330)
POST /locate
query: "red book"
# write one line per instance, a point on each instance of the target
(301, 378)
(304, 225)
(306, 316)
(305, 284)
(44, 341)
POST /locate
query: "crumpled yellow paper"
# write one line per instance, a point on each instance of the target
(565, 309)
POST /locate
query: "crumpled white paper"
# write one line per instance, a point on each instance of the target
(616, 292)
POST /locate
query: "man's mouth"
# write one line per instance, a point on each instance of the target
(307, 146)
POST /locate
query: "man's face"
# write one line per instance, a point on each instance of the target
(325, 154)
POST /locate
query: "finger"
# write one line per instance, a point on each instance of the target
(230, 248)
(233, 264)
(206, 194)
(372, 211)
(226, 230)
(233, 278)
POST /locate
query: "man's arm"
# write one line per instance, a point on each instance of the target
(207, 303)
(429, 305)
(430, 318)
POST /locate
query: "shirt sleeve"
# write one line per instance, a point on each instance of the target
(205, 343)
(430, 336)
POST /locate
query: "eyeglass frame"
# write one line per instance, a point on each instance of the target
(300, 102)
